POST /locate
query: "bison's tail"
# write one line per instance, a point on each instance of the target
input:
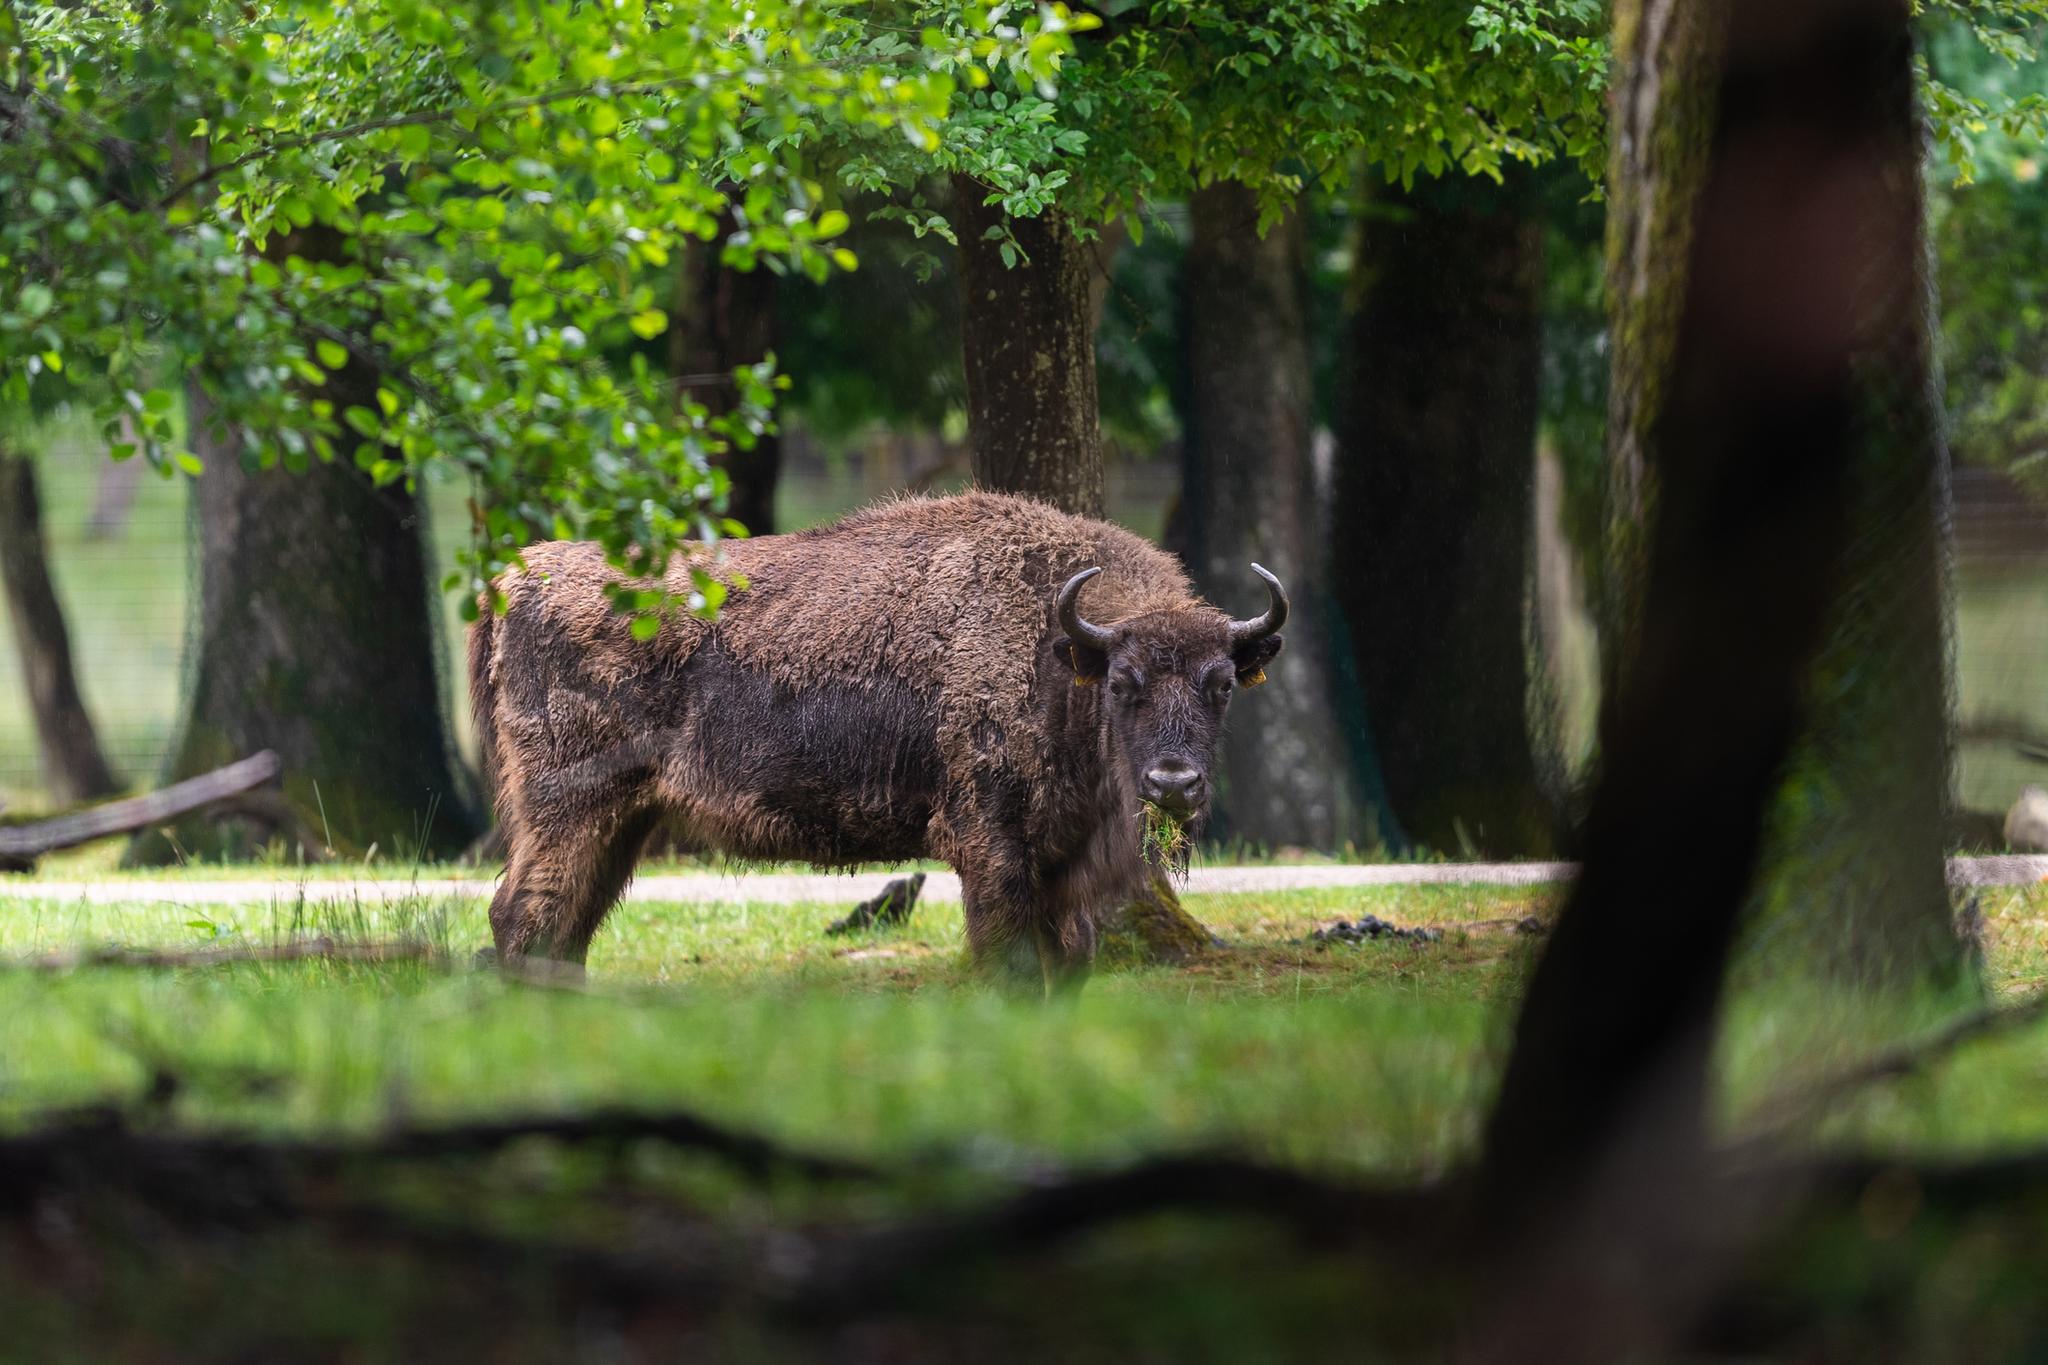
(483, 697)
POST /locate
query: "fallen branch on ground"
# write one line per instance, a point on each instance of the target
(21, 845)
(868, 1267)
(1809, 1100)
(103, 1139)
(297, 950)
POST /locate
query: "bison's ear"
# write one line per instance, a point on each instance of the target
(1251, 659)
(1088, 663)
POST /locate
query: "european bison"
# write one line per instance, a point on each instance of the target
(980, 679)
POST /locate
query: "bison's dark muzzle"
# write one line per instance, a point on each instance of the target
(1176, 788)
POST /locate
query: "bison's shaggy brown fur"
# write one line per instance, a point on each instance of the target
(892, 686)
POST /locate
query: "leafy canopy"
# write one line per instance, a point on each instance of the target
(1170, 95)
(473, 202)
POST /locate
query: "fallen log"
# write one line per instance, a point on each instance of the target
(21, 845)
(320, 949)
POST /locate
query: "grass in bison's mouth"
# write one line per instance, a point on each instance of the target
(1163, 836)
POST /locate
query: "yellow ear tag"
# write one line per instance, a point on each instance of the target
(1254, 680)
(1074, 662)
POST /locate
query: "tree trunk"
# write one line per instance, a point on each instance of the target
(1435, 498)
(74, 768)
(1248, 496)
(1854, 886)
(1667, 60)
(1596, 1144)
(1029, 350)
(723, 319)
(1029, 343)
(315, 638)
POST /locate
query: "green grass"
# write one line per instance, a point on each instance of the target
(1373, 1055)
(1376, 1055)
(1376, 1058)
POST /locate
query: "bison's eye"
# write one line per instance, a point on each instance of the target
(1124, 689)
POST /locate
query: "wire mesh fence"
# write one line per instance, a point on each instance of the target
(121, 555)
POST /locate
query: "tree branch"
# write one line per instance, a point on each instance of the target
(1805, 1101)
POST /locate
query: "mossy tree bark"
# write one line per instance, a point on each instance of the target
(722, 319)
(1032, 421)
(1853, 883)
(315, 637)
(74, 767)
(1435, 501)
(1804, 262)
(1248, 496)
(1029, 347)
(1667, 59)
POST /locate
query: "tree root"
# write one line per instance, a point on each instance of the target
(1807, 1101)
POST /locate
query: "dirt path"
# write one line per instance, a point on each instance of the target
(836, 889)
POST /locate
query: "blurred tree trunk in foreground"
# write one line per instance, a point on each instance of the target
(1029, 346)
(1436, 513)
(1855, 883)
(1029, 340)
(74, 768)
(315, 638)
(1248, 496)
(721, 319)
(1804, 258)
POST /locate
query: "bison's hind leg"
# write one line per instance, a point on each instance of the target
(559, 887)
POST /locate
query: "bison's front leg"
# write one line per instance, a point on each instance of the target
(1066, 953)
(1018, 936)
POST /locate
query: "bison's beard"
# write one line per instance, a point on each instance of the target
(1167, 841)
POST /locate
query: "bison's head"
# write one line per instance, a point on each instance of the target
(1167, 679)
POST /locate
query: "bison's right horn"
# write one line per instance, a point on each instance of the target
(1259, 627)
(1078, 628)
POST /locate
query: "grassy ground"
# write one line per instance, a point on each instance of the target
(877, 1043)
(1377, 1055)
(1369, 1059)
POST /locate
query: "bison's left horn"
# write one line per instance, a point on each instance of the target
(1259, 627)
(1077, 627)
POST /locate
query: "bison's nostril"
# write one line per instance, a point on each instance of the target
(1175, 786)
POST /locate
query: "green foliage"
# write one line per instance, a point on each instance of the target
(1980, 82)
(1991, 240)
(470, 203)
(1173, 94)
(1989, 222)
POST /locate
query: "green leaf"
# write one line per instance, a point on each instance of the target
(648, 324)
(188, 462)
(332, 354)
(646, 627)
